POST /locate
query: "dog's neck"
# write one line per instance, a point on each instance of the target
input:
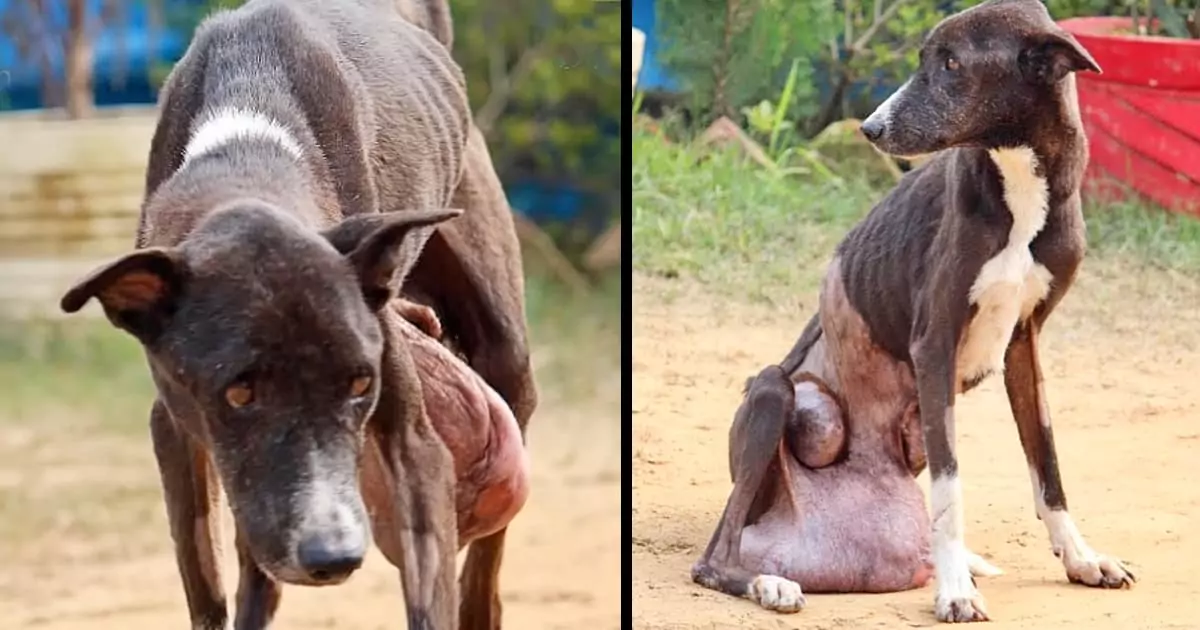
(1059, 143)
(1042, 175)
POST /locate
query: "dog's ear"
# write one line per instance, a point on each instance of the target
(1051, 56)
(138, 291)
(383, 247)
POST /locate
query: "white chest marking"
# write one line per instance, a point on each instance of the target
(1011, 284)
(230, 124)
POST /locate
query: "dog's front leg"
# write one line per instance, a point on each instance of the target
(1026, 395)
(191, 494)
(257, 595)
(933, 357)
(423, 530)
(426, 532)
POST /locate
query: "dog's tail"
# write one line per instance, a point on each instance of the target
(795, 357)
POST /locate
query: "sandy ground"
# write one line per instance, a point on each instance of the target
(561, 569)
(1125, 406)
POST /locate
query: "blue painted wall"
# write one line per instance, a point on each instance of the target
(653, 76)
(124, 56)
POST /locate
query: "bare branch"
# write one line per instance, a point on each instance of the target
(77, 44)
(876, 24)
(503, 87)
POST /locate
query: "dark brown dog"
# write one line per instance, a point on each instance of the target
(949, 279)
(304, 158)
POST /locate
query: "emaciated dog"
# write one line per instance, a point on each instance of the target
(300, 178)
(949, 279)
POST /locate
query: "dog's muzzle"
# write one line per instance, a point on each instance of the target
(872, 129)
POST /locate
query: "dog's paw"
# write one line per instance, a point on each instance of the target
(957, 600)
(1100, 571)
(960, 609)
(775, 593)
(980, 567)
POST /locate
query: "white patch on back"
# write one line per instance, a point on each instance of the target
(230, 124)
(1011, 284)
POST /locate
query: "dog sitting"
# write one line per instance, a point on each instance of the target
(948, 280)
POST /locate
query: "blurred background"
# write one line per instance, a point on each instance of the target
(749, 169)
(774, 91)
(81, 519)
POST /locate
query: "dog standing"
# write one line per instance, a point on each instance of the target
(949, 279)
(301, 170)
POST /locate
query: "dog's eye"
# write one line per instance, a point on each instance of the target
(239, 395)
(951, 64)
(360, 385)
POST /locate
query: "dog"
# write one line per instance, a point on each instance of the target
(949, 279)
(328, 289)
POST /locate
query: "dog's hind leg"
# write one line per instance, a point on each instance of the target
(1026, 395)
(431, 15)
(471, 271)
(192, 497)
(755, 445)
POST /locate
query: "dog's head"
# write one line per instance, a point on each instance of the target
(264, 342)
(985, 75)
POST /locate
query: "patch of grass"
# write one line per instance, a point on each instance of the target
(576, 340)
(727, 223)
(75, 457)
(91, 374)
(1144, 234)
(716, 219)
(83, 365)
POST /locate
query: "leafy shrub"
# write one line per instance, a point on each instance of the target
(733, 55)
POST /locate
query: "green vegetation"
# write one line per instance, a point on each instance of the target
(714, 218)
(741, 231)
(99, 374)
(734, 55)
(73, 418)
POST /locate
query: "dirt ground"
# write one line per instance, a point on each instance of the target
(1121, 364)
(561, 569)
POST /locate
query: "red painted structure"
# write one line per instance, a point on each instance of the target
(1142, 115)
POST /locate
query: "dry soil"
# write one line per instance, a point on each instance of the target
(561, 569)
(1122, 371)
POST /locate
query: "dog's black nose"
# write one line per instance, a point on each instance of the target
(329, 560)
(872, 129)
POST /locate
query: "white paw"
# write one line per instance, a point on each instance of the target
(980, 567)
(960, 609)
(775, 593)
(1099, 571)
(958, 600)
